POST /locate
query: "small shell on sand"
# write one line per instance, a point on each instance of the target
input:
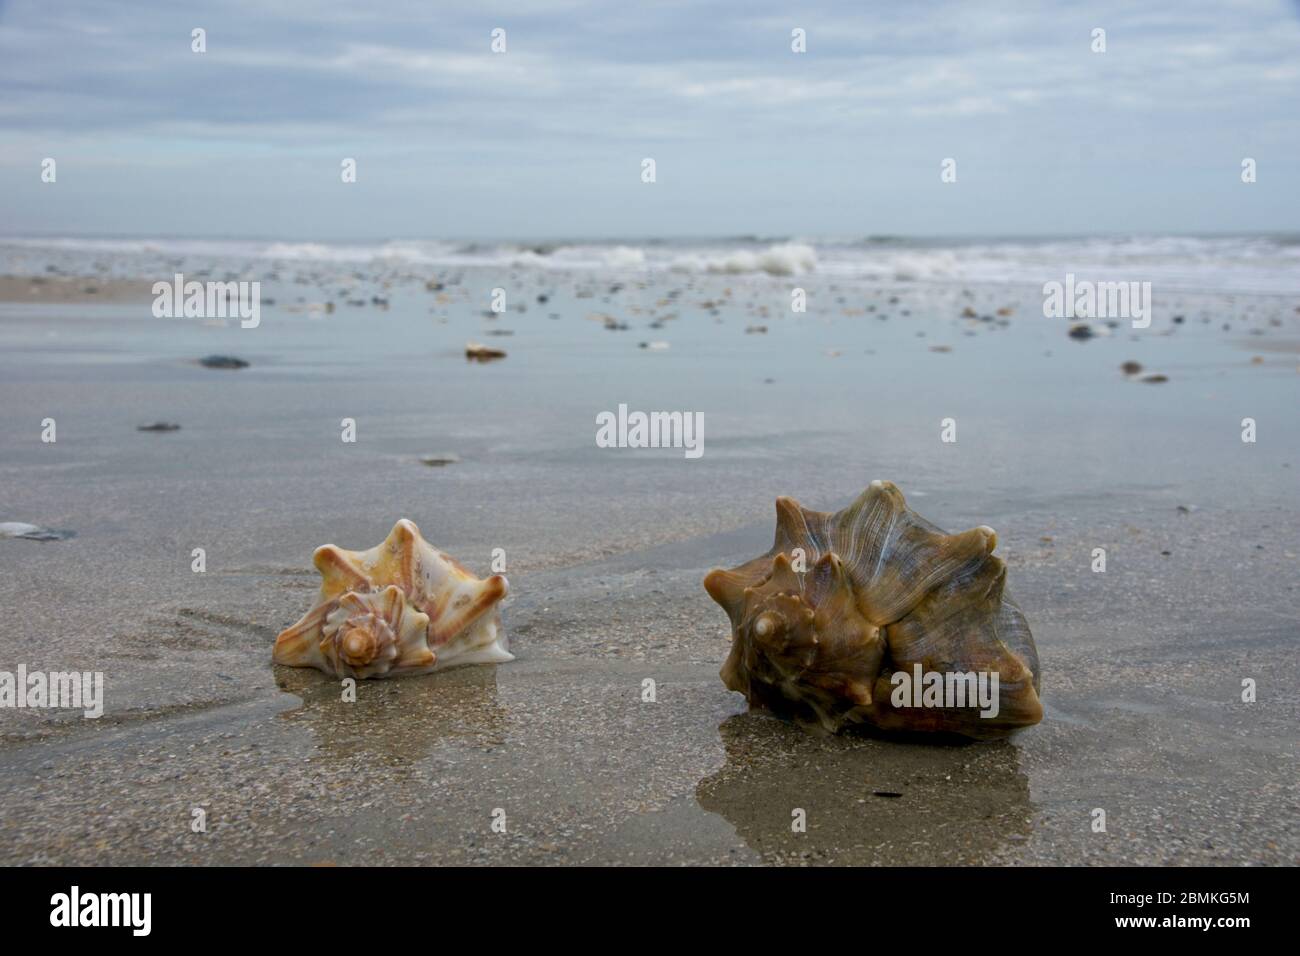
(478, 352)
(31, 532)
(402, 607)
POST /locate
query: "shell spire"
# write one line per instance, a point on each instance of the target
(402, 607)
(874, 615)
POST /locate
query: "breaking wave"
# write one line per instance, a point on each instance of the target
(1231, 264)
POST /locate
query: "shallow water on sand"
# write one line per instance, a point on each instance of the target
(1056, 449)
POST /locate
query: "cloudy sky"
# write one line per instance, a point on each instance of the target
(546, 140)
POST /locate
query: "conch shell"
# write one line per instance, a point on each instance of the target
(850, 616)
(402, 607)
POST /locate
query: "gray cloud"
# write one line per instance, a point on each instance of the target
(546, 139)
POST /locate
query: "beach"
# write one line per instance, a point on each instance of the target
(1057, 449)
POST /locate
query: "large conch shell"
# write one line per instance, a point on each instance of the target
(403, 607)
(885, 600)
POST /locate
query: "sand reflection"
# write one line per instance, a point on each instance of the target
(868, 801)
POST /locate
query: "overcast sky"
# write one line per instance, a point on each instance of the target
(546, 140)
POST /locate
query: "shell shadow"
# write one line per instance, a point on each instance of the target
(868, 801)
(400, 720)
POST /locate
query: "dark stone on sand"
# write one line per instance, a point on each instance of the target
(158, 427)
(222, 361)
(438, 461)
(1131, 368)
(1155, 379)
(1081, 332)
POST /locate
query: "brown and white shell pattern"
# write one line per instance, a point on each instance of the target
(402, 607)
(882, 591)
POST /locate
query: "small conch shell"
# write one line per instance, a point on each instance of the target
(403, 607)
(873, 615)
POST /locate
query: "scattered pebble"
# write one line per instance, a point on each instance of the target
(658, 346)
(478, 352)
(31, 532)
(438, 461)
(1081, 331)
(1155, 379)
(158, 427)
(222, 361)
(1131, 368)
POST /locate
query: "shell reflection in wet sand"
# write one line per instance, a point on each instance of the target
(399, 722)
(866, 802)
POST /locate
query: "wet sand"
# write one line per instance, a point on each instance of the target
(70, 290)
(1057, 450)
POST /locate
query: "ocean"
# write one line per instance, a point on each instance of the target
(1262, 265)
